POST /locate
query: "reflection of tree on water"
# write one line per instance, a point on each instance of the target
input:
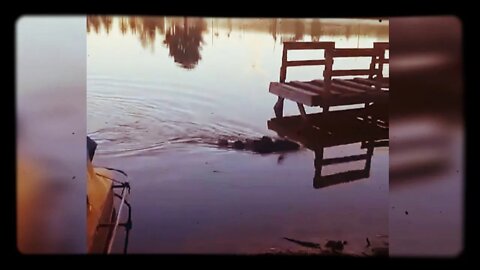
(123, 23)
(146, 28)
(273, 29)
(93, 21)
(99, 21)
(132, 23)
(299, 30)
(229, 26)
(294, 29)
(184, 42)
(316, 30)
(107, 22)
(286, 29)
(183, 36)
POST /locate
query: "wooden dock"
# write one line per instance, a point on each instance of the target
(364, 86)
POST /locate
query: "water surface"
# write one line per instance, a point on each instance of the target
(161, 92)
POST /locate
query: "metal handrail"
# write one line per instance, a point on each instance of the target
(125, 190)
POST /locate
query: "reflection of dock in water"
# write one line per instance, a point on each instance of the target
(329, 130)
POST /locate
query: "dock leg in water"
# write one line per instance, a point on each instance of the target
(325, 119)
(317, 179)
(278, 107)
(302, 110)
(368, 117)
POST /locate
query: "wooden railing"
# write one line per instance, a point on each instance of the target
(377, 54)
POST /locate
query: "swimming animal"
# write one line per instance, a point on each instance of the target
(263, 145)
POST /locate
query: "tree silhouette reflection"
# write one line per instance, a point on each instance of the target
(132, 23)
(123, 24)
(97, 22)
(148, 30)
(107, 23)
(183, 35)
(299, 30)
(315, 30)
(93, 22)
(184, 41)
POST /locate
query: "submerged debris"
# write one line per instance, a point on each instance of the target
(334, 248)
(222, 142)
(238, 145)
(304, 243)
(334, 245)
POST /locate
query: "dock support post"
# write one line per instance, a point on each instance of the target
(278, 107)
(302, 110)
(325, 116)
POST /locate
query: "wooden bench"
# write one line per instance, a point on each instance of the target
(334, 89)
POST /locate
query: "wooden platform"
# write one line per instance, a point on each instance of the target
(338, 86)
(343, 92)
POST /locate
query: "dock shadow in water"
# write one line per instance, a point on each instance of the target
(320, 131)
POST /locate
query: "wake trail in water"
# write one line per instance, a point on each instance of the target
(149, 119)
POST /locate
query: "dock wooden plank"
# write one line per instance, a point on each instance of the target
(370, 82)
(338, 88)
(293, 93)
(351, 100)
(344, 88)
(382, 45)
(294, 63)
(308, 45)
(365, 81)
(351, 72)
(383, 61)
(354, 84)
(312, 87)
(355, 52)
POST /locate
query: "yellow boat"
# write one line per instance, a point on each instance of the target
(103, 213)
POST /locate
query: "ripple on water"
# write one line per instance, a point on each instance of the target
(127, 117)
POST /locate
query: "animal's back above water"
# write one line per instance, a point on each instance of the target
(263, 145)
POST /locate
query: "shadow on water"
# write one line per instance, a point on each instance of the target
(319, 131)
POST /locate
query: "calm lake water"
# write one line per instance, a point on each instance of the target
(161, 92)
